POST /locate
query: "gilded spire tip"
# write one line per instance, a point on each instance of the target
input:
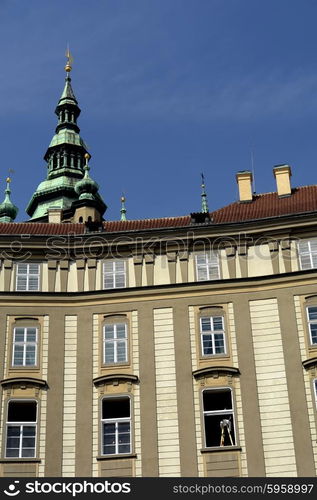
(68, 66)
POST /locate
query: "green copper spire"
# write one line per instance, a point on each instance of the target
(86, 188)
(8, 211)
(65, 158)
(204, 202)
(123, 210)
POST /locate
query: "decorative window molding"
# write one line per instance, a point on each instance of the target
(21, 429)
(28, 276)
(24, 382)
(215, 371)
(115, 378)
(307, 253)
(114, 274)
(207, 266)
(116, 425)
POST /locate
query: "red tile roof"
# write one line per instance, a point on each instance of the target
(263, 206)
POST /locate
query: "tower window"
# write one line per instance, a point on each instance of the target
(27, 277)
(116, 426)
(21, 429)
(218, 418)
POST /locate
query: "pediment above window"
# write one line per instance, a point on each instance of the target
(215, 371)
(24, 382)
(310, 363)
(115, 378)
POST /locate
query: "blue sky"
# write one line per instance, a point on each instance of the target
(168, 89)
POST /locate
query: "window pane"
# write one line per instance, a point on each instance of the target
(312, 313)
(217, 433)
(21, 283)
(119, 266)
(34, 268)
(31, 334)
(33, 283)
(207, 345)
(313, 332)
(119, 280)
(205, 324)
(109, 352)
(19, 334)
(22, 268)
(108, 281)
(18, 355)
(219, 344)
(30, 355)
(218, 323)
(109, 331)
(121, 330)
(121, 351)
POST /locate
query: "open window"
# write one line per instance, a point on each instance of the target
(218, 418)
(116, 425)
(21, 429)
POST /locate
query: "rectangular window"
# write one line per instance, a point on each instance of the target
(212, 335)
(21, 429)
(315, 390)
(207, 266)
(116, 426)
(27, 277)
(115, 339)
(307, 251)
(24, 346)
(114, 274)
(218, 418)
(312, 324)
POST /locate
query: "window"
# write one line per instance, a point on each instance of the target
(115, 340)
(116, 426)
(312, 323)
(114, 274)
(21, 429)
(218, 418)
(212, 335)
(207, 266)
(315, 390)
(307, 251)
(24, 346)
(28, 277)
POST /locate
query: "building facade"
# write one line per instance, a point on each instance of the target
(182, 346)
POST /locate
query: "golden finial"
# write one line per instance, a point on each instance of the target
(8, 180)
(87, 156)
(70, 59)
(122, 198)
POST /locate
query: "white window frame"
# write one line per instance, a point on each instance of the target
(311, 254)
(212, 333)
(116, 422)
(114, 274)
(226, 413)
(113, 343)
(205, 270)
(21, 424)
(27, 276)
(25, 344)
(310, 322)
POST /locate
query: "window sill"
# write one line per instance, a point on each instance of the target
(115, 457)
(216, 449)
(19, 460)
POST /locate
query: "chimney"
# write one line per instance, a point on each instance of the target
(282, 174)
(54, 215)
(244, 180)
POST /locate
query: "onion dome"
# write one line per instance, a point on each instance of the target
(8, 211)
(86, 188)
